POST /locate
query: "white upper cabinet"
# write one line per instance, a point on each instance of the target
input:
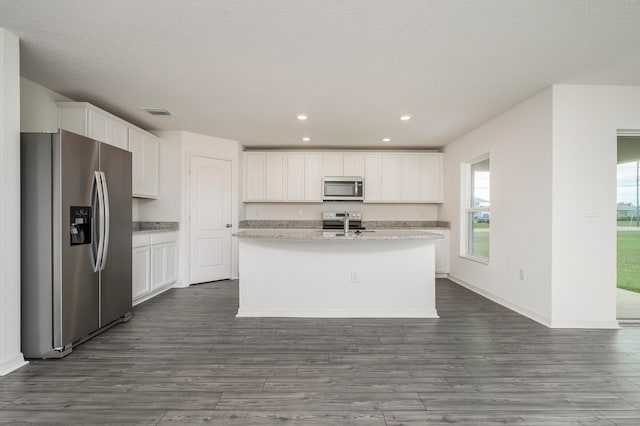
(276, 177)
(353, 165)
(431, 182)
(119, 134)
(334, 164)
(144, 152)
(295, 177)
(87, 120)
(265, 177)
(313, 178)
(304, 178)
(255, 177)
(98, 128)
(373, 178)
(403, 178)
(389, 177)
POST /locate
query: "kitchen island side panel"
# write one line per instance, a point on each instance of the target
(337, 278)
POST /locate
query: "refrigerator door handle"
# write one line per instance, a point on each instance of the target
(106, 213)
(97, 201)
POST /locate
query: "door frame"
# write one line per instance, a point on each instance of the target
(186, 209)
(623, 132)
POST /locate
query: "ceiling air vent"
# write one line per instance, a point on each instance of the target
(157, 111)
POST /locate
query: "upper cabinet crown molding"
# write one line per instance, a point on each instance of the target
(88, 120)
(389, 176)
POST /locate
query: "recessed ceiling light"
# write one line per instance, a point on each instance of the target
(405, 117)
(306, 139)
(386, 139)
(302, 117)
(157, 111)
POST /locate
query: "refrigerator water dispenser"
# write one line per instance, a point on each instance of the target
(80, 226)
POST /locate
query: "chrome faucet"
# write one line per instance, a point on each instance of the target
(345, 221)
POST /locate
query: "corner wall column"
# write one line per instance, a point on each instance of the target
(11, 357)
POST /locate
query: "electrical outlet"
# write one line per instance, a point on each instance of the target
(355, 277)
(523, 274)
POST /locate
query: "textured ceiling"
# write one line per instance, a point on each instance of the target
(243, 69)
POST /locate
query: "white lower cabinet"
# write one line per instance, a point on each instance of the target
(141, 264)
(442, 253)
(155, 264)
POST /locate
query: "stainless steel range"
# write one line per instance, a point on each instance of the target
(335, 220)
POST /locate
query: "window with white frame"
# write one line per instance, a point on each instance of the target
(476, 214)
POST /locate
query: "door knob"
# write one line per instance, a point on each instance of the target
(228, 225)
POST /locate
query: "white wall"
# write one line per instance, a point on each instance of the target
(176, 147)
(313, 211)
(10, 354)
(519, 143)
(553, 190)
(585, 124)
(38, 109)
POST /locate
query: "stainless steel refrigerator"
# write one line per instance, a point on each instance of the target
(76, 240)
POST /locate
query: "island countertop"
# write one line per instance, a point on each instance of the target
(332, 235)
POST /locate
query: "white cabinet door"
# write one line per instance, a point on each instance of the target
(276, 177)
(157, 266)
(431, 182)
(313, 178)
(144, 151)
(332, 165)
(73, 119)
(171, 263)
(353, 165)
(442, 251)
(98, 126)
(255, 177)
(381, 182)
(389, 176)
(119, 134)
(410, 179)
(265, 176)
(296, 177)
(304, 178)
(87, 120)
(141, 264)
(403, 178)
(373, 178)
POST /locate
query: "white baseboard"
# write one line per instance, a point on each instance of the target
(242, 313)
(534, 315)
(585, 324)
(506, 303)
(12, 364)
(151, 295)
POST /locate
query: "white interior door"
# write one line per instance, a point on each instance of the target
(210, 224)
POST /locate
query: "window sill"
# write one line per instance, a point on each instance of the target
(478, 259)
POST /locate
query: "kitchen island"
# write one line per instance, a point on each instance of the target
(315, 273)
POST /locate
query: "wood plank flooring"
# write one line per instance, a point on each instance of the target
(185, 359)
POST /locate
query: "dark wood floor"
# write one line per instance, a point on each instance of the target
(185, 358)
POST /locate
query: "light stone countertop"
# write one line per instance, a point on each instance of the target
(318, 234)
(153, 227)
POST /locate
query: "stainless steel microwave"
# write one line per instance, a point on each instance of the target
(343, 188)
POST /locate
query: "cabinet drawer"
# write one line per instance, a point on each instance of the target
(140, 240)
(164, 237)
